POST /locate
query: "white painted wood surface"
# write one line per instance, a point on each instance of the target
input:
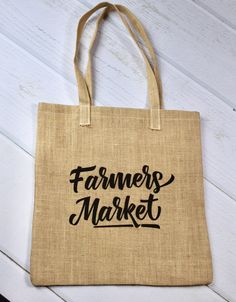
(16, 286)
(223, 10)
(196, 43)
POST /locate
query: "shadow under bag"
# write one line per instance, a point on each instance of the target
(119, 192)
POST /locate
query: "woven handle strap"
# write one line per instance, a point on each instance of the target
(154, 92)
(138, 26)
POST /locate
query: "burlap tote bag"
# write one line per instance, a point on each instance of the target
(119, 192)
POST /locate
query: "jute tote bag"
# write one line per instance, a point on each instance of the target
(119, 192)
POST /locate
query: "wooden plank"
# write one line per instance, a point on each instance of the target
(220, 213)
(15, 284)
(24, 81)
(191, 40)
(16, 185)
(224, 10)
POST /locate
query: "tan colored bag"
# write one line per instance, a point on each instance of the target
(119, 192)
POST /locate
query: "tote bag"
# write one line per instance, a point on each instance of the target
(118, 191)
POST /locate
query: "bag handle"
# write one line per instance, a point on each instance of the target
(139, 28)
(84, 94)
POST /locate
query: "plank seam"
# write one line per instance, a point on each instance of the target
(227, 194)
(214, 14)
(20, 266)
(15, 143)
(217, 293)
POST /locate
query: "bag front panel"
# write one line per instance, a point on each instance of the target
(116, 202)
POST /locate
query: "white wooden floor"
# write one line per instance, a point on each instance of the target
(196, 44)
